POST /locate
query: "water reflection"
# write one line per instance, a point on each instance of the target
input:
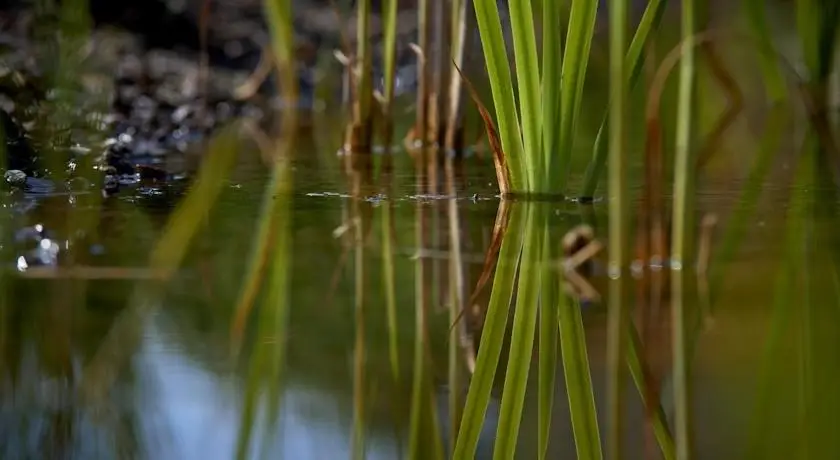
(199, 411)
(762, 370)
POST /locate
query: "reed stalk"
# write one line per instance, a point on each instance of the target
(682, 169)
(549, 312)
(616, 315)
(501, 85)
(459, 30)
(423, 72)
(552, 73)
(492, 337)
(389, 14)
(528, 85)
(575, 61)
(522, 340)
(389, 287)
(634, 62)
(359, 348)
(362, 108)
(458, 335)
(422, 412)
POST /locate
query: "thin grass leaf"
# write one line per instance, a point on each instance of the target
(683, 168)
(660, 422)
(578, 378)
(490, 257)
(522, 340)
(649, 24)
(457, 50)
(575, 61)
(616, 312)
(552, 69)
(501, 85)
(774, 81)
(389, 15)
(492, 338)
(389, 18)
(528, 82)
(503, 173)
(548, 344)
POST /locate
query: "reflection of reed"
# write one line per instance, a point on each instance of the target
(388, 279)
(360, 215)
(423, 412)
(460, 341)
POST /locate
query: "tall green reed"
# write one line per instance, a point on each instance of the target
(549, 315)
(634, 60)
(389, 13)
(773, 77)
(459, 19)
(363, 110)
(537, 134)
(616, 315)
(683, 167)
(493, 335)
(423, 413)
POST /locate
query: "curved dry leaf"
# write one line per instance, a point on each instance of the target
(499, 161)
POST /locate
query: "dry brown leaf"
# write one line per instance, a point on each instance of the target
(490, 257)
(492, 136)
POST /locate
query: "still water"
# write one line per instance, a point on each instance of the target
(95, 368)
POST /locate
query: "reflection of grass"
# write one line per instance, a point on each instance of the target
(274, 237)
(492, 337)
(526, 249)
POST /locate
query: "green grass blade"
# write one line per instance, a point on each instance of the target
(682, 170)
(774, 81)
(578, 381)
(548, 343)
(498, 70)
(492, 338)
(521, 342)
(575, 61)
(649, 24)
(552, 68)
(389, 15)
(616, 312)
(660, 421)
(528, 81)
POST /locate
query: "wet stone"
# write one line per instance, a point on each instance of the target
(15, 178)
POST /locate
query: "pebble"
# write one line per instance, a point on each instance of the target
(15, 177)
